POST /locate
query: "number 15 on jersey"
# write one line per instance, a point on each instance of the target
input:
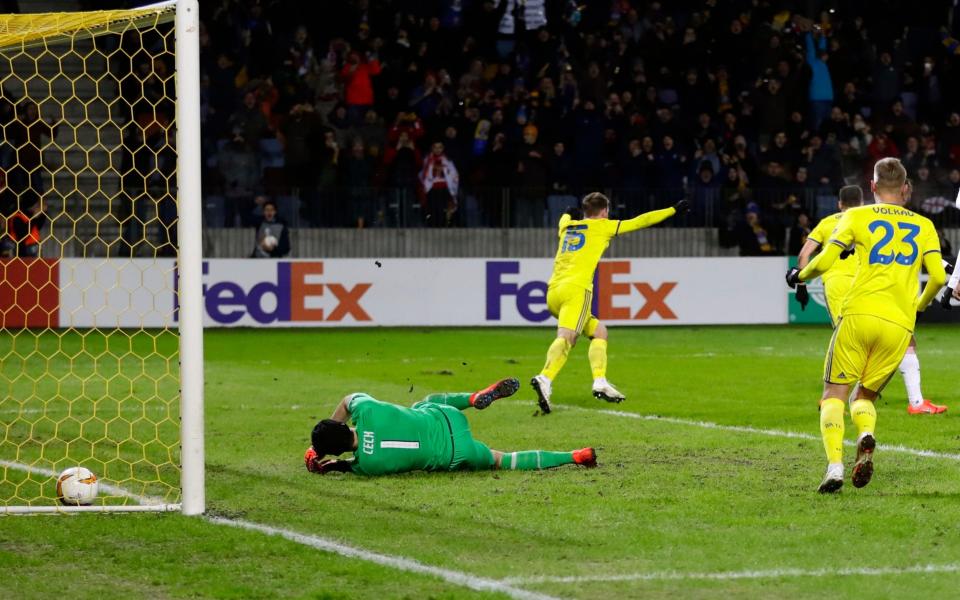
(575, 238)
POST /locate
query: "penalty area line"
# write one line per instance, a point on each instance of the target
(733, 575)
(896, 448)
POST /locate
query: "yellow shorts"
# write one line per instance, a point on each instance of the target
(865, 349)
(835, 292)
(571, 306)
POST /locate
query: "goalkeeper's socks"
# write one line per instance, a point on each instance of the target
(910, 369)
(831, 428)
(534, 460)
(458, 400)
(598, 358)
(863, 413)
(556, 358)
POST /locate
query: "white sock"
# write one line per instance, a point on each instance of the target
(910, 369)
(599, 381)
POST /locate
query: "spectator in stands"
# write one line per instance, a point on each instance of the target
(494, 176)
(272, 235)
(371, 133)
(798, 234)
(506, 64)
(301, 138)
(560, 196)
(402, 162)
(821, 163)
(21, 234)
(441, 182)
(671, 171)
(753, 238)
(239, 168)
(705, 204)
(886, 79)
(358, 76)
(772, 110)
(356, 186)
(249, 119)
(821, 85)
(532, 172)
(135, 167)
(28, 134)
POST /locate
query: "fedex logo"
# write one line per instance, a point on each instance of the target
(654, 298)
(291, 296)
(612, 299)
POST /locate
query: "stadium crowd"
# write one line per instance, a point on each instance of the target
(366, 113)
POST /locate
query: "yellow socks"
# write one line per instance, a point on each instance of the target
(831, 427)
(598, 357)
(556, 358)
(864, 416)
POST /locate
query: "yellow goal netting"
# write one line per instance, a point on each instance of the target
(89, 315)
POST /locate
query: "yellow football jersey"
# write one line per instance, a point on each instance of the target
(821, 234)
(891, 242)
(583, 242)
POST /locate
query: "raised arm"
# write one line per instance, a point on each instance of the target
(649, 219)
(811, 53)
(937, 277)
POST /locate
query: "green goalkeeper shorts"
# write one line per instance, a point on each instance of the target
(468, 453)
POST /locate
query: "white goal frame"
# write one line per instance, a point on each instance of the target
(190, 292)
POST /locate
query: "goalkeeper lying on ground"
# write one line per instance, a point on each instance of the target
(433, 435)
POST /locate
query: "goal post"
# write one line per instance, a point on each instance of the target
(101, 319)
(191, 256)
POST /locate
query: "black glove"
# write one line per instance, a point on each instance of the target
(575, 213)
(682, 207)
(847, 252)
(803, 296)
(948, 268)
(945, 299)
(793, 277)
(333, 465)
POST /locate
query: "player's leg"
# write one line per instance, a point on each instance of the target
(863, 413)
(888, 342)
(831, 430)
(910, 369)
(479, 399)
(571, 306)
(842, 366)
(597, 354)
(536, 460)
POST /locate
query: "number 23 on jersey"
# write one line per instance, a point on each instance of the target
(906, 234)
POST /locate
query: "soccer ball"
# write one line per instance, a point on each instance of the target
(269, 243)
(77, 486)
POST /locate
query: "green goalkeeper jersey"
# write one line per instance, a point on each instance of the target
(396, 439)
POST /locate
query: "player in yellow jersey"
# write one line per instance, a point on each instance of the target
(878, 314)
(836, 284)
(570, 290)
(836, 281)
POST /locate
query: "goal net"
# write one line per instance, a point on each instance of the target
(100, 332)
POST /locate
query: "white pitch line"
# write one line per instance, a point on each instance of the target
(111, 489)
(460, 578)
(401, 563)
(728, 575)
(757, 431)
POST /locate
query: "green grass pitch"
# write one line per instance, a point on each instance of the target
(669, 499)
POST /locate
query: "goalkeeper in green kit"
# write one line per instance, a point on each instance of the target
(432, 435)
